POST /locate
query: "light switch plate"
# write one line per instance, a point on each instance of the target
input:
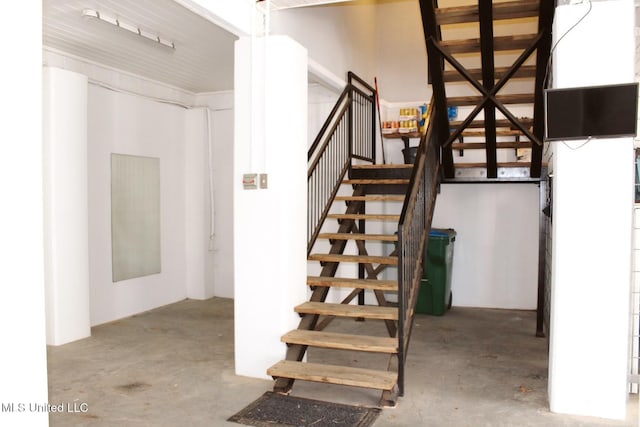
(263, 180)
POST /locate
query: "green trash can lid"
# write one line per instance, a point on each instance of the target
(442, 233)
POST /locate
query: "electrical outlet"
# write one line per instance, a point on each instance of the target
(249, 181)
(263, 180)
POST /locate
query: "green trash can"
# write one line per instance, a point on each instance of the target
(435, 287)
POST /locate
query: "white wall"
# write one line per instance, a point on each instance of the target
(234, 16)
(495, 253)
(126, 124)
(341, 36)
(22, 321)
(208, 270)
(401, 52)
(592, 223)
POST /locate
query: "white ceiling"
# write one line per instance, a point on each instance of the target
(201, 62)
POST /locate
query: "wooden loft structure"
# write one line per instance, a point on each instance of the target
(446, 55)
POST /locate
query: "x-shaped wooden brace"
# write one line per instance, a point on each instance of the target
(489, 95)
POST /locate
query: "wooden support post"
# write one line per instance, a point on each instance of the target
(485, 9)
(545, 20)
(436, 72)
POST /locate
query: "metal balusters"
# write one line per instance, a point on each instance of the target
(413, 228)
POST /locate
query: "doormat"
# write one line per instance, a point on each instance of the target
(277, 410)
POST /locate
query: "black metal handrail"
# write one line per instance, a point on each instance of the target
(348, 133)
(413, 229)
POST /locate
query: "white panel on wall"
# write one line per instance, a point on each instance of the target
(135, 216)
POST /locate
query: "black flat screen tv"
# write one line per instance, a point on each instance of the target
(591, 112)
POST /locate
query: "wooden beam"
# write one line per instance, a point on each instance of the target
(501, 123)
(545, 21)
(503, 43)
(359, 236)
(379, 217)
(482, 145)
(479, 101)
(389, 260)
(506, 10)
(383, 285)
(485, 8)
(513, 98)
(524, 72)
(346, 310)
(497, 100)
(343, 375)
(342, 341)
(436, 65)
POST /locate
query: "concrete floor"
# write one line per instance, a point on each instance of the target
(174, 366)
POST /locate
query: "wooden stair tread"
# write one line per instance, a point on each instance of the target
(372, 198)
(500, 165)
(500, 123)
(506, 10)
(359, 236)
(521, 41)
(524, 72)
(338, 282)
(516, 98)
(348, 310)
(363, 259)
(341, 341)
(384, 166)
(382, 217)
(376, 181)
(332, 374)
(483, 145)
(499, 132)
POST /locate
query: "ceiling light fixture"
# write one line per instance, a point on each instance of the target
(90, 13)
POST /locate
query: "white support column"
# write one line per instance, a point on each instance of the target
(593, 200)
(66, 226)
(270, 224)
(23, 370)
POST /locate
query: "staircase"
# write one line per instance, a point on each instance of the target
(343, 187)
(367, 185)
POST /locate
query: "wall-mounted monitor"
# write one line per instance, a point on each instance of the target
(591, 112)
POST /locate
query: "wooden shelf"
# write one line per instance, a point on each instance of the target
(398, 135)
